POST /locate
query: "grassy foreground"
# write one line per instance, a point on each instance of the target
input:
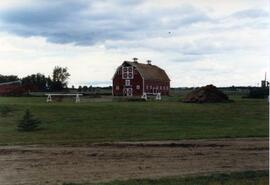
(67, 122)
(239, 178)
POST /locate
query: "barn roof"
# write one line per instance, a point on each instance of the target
(12, 82)
(149, 71)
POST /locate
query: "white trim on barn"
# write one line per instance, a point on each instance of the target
(12, 82)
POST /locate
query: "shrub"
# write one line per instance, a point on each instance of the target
(28, 123)
(5, 111)
(258, 93)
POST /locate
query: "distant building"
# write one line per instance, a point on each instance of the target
(264, 83)
(134, 79)
(8, 88)
(15, 88)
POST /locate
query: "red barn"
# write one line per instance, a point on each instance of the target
(9, 87)
(14, 88)
(134, 79)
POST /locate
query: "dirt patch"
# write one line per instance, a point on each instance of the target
(16, 151)
(159, 145)
(109, 161)
(256, 148)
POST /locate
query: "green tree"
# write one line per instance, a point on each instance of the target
(84, 88)
(38, 80)
(60, 77)
(8, 78)
(28, 122)
(90, 88)
(80, 88)
(5, 110)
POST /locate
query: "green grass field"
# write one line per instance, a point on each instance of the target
(237, 178)
(86, 122)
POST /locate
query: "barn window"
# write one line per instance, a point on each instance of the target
(167, 87)
(147, 87)
(117, 87)
(160, 88)
(150, 86)
(138, 87)
(127, 72)
(127, 82)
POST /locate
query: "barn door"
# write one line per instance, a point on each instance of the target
(128, 91)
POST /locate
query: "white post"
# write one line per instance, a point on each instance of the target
(158, 97)
(49, 98)
(144, 96)
(77, 98)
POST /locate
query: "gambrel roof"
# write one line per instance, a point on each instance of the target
(149, 71)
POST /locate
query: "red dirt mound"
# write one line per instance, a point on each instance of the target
(206, 94)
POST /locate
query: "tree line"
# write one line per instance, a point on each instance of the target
(56, 82)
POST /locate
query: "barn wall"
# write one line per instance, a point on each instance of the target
(119, 83)
(13, 90)
(151, 86)
(6, 89)
(137, 81)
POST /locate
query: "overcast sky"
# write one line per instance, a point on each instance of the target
(197, 42)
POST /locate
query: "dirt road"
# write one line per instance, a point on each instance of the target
(38, 165)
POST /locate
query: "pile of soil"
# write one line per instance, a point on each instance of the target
(206, 94)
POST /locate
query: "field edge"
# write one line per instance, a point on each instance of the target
(259, 177)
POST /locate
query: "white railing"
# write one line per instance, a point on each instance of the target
(145, 95)
(49, 96)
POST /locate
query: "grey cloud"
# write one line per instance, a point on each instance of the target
(88, 22)
(42, 14)
(185, 58)
(251, 13)
(124, 25)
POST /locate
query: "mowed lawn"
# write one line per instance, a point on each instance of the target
(87, 122)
